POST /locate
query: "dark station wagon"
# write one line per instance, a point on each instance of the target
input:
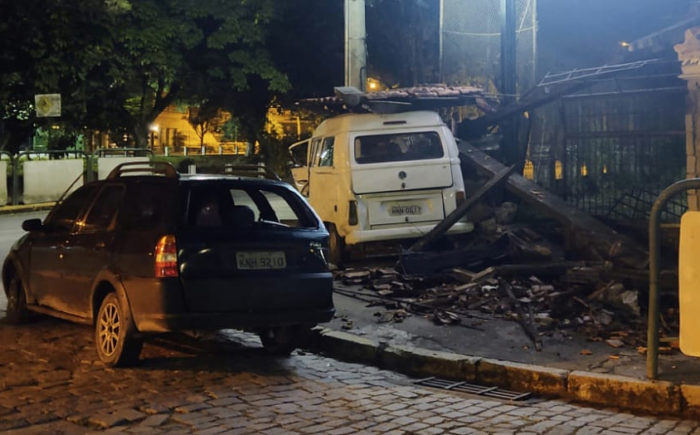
(148, 250)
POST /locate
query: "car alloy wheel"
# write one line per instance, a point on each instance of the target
(113, 334)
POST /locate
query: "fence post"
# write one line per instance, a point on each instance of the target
(15, 180)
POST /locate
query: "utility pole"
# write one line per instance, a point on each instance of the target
(509, 80)
(355, 44)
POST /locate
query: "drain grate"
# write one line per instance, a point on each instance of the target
(464, 387)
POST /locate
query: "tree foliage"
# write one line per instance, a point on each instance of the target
(119, 63)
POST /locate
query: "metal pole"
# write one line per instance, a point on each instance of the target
(509, 78)
(441, 36)
(654, 255)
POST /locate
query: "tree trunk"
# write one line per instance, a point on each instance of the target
(141, 134)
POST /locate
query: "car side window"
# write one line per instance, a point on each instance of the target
(101, 215)
(63, 217)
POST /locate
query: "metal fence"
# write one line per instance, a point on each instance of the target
(612, 155)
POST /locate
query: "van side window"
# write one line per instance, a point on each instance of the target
(315, 151)
(299, 153)
(398, 147)
(326, 157)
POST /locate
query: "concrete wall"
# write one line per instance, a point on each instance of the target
(106, 164)
(46, 180)
(3, 182)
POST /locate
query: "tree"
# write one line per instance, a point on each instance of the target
(119, 63)
(192, 51)
(53, 47)
(207, 119)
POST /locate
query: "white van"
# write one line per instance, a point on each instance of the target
(379, 177)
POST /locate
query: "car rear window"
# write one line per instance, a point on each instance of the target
(149, 205)
(398, 147)
(223, 204)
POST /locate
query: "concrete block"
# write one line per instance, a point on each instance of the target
(522, 377)
(3, 182)
(346, 346)
(691, 399)
(624, 392)
(46, 180)
(424, 363)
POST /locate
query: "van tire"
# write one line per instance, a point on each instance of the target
(336, 247)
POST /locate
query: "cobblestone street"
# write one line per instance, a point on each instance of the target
(51, 382)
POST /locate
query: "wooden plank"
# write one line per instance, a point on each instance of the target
(460, 211)
(584, 233)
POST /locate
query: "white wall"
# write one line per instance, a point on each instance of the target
(46, 180)
(106, 164)
(3, 182)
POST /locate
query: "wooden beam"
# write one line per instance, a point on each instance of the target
(584, 233)
(460, 211)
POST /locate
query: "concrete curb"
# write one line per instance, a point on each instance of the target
(657, 397)
(23, 208)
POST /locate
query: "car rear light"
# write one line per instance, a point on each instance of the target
(166, 257)
(352, 213)
(460, 197)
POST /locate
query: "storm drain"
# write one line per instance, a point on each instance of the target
(480, 390)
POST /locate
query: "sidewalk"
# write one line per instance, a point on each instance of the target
(497, 352)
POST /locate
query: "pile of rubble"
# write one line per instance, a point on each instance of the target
(610, 313)
(508, 271)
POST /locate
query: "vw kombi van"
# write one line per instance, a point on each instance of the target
(380, 177)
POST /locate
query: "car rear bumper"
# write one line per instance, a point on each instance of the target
(154, 323)
(403, 232)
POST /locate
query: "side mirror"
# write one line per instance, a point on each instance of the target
(32, 225)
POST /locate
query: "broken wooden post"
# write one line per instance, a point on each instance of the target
(440, 229)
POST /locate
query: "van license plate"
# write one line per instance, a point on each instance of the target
(405, 209)
(261, 260)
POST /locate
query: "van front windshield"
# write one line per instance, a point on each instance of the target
(398, 147)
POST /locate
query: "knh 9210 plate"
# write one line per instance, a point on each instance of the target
(260, 260)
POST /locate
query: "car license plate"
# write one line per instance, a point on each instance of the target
(405, 209)
(261, 260)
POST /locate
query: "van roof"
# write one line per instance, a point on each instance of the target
(377, 121)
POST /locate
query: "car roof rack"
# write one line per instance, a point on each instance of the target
(250, 170)
(143, 168)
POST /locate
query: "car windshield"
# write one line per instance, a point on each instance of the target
(222, 204)
(398, 147)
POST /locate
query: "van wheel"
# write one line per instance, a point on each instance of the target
(114, 334)
(336, 246)
(16, 303)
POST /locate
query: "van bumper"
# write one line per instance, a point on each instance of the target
(404, 232)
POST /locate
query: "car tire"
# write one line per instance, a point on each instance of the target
(114, 334)
(336, 247)
(16, 303)
(279, 341)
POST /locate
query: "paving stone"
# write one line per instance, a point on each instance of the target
(246, 392)
(155, 420)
